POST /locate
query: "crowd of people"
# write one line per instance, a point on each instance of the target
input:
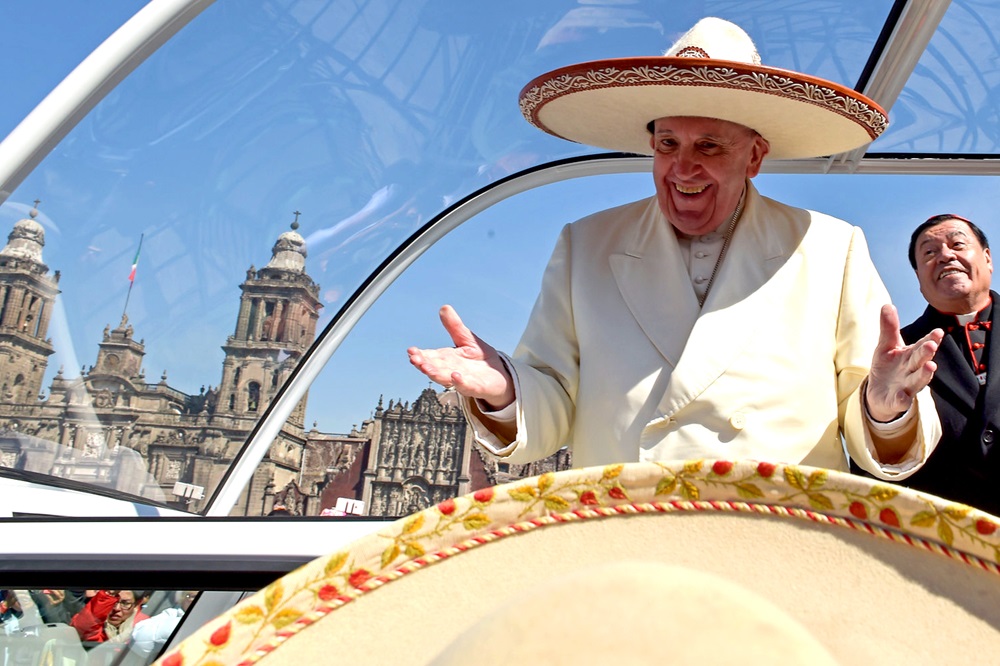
(115, 626)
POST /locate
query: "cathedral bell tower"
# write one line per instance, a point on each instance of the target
(276, 324)
(27, 294)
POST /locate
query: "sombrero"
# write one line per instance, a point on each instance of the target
(712, 71)
(690, 562)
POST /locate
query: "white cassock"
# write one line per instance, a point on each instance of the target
(619, 361)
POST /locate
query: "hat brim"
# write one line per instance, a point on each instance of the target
(867, 568)
(608, 104)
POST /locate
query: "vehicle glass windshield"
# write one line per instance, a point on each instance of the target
(171, 262)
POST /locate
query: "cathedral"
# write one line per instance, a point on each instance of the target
(113, 428)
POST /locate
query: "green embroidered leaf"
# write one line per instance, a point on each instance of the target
(249, 615)
(475, 521)
(612, 471)
(666, 485)
(957, 511)
(335, 564)
(285, 618)
(523, 494)
(390, 554)
(414, 524)
(545, 482)
(690, 491)
(693, 467)
(795, 478)
(817, 479)
(414, 549)
(820, 501)
(924, 519)
(882, 493)
(555, 503)
(748, 490)
(272, 595)
(945, 533)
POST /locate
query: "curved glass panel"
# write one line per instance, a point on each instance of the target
(950, 103)
(385, 443)
(356, 121)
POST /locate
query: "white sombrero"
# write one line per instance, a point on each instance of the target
(706, 562)
(712, 71)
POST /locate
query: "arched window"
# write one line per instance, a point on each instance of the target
(253, 396)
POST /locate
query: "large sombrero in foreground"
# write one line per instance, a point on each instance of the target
(688, 562)
(713, 71)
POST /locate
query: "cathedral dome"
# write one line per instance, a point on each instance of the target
(289, 252)
(26, 240)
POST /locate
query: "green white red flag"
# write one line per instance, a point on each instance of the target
(135, 262)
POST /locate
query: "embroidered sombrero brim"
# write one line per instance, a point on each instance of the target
(608, 104)
(867, 572)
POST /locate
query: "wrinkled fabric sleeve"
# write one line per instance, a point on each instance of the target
(862, 298)
(545, 367)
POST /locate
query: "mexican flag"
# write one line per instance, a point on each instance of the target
(135, 262)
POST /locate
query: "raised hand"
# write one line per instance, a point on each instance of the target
(898, 370)
(472, 367)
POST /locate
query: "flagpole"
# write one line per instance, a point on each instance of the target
(131, 276)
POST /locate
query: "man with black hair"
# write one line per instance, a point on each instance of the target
(952, 261)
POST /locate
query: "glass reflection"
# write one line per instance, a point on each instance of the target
(88, 627)
(361, 121)
(949, 105)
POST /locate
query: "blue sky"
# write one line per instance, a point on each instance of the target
(201, 237)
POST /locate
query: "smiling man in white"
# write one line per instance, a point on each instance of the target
(706, 321)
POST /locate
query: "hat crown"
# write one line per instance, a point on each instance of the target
(717, 39)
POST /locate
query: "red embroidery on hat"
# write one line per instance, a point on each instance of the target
(692, 52)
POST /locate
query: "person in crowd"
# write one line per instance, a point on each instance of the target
(110, 615)
(10, 612)
(151, 634)
(951, 258)
(707, 321)
(58, 605)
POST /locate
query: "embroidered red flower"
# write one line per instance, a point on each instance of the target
(985, 527)
(588, 497)
(359, 577)
(858, 510)
(722, 467)
(483, 495)
(221, 635)
(766, 469)
(617, 492)
(889, 517)
(174, 660)
(328, 592)
(447, 507)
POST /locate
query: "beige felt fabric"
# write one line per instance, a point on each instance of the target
(650, 613)
(865, 600)
(873, 571)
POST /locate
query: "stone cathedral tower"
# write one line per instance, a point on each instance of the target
(27, 293)
(276, 324)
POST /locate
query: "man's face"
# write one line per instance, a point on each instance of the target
(953, 268)
(123, 609)
(700, 166)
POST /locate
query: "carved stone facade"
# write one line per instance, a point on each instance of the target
(111, 428)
